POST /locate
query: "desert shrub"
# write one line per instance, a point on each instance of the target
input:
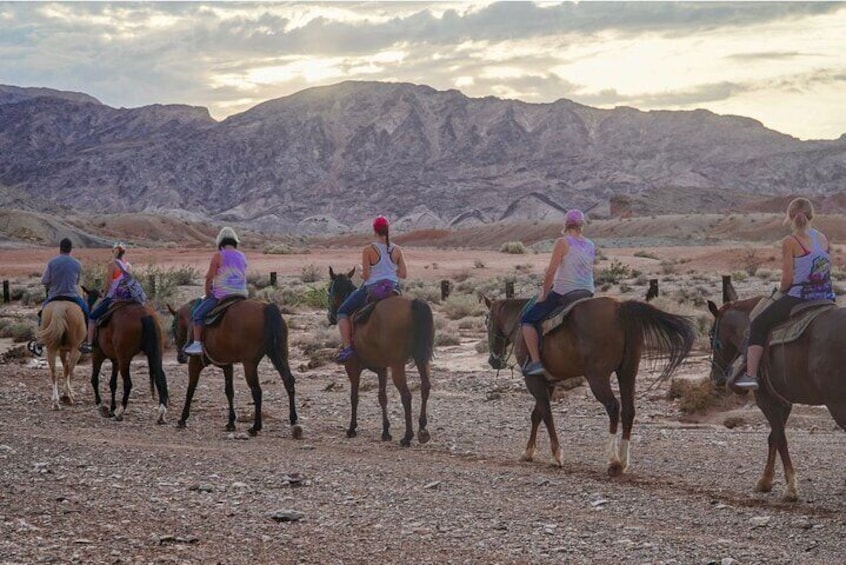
(839, 290)
(614, 273)
(461, 306)
(461, 276)
(33, 295)
(93, 275)
(750, 262)
(479, 264)
(641, 280)
(482, 346)
(16, 292)
(697, 396)
(697, 296)
(321, 338)
(311, 273)
(18, 331)
(645, 254)
(258, 280)
(624, 288)
(523, 268)
(668, 266)
(838, 273)
(426, 291)
(513, 247)
(443, 339)
(739, 276)
(605, 287)
(471, 324)
(162, 284)
(278, 249)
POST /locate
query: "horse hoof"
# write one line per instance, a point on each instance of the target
(763, 486)
(105, 412)
(527, 458)
(252, 432)
(615, 469)
(790, 497)
(297, 431)
(386, 437)
(405, 442)
(351, 433)
(423, 436)
(180, 424)
(66, 400)
(119, 418)
(55, 406)
(230, 427)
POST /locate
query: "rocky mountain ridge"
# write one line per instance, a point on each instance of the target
(327, 158)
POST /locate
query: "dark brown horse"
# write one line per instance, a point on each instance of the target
(600, 336)
(399, 329)
(806, 371)
(131, 329)
(249, 330)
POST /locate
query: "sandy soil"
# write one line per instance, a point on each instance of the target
(80, 488)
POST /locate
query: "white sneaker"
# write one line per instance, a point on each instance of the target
(194, 348)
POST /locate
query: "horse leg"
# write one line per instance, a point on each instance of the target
(398, 376)
(96, 363)
(251, 374)
(354, 375)
(229, 388)
(542, 391)
(127, 387)
(425, 386)
(113, 387)
(73, 359)
(776, 414)
(383, 403)
(195, 365)
(288, 380)
(627, 393)
(601, 387)
(51, 362)
(67, 393)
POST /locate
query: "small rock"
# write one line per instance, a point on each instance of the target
(433, 484)
(728, 561)
(493, 395)
(287, 516)
(205, 487)
(238, 436)
(759, 521)
(82, 541)
(599, 503)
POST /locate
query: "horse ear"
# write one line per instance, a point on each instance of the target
(85, 290)
(331, 273)
(713, 308)
(171, 310)
(351, 273)
(485, 299)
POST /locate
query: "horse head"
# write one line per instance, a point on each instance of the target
(339, 289)
(726, 336)
(180, 327)
(91, 296)
(500, 323)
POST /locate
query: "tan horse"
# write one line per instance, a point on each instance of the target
(62, 330)
(808, 370)
(601, 336)
(249, 330)
(399, 329)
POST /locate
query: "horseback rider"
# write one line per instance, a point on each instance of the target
(61, 278)
(382, 264)
(805, 275)
(227, 276)
(568, 277)
(113, 289)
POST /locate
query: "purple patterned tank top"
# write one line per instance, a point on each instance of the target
(231, 276)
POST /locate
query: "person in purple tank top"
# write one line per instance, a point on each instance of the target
(568, 277)
(805, 275)
(227, 276)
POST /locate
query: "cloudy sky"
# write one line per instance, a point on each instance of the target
(783, 63)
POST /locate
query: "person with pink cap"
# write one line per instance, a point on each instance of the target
(382, 265)
(568, 277)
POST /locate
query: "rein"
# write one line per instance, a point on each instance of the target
(509, 339)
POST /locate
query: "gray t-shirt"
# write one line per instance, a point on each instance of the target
(62, 276)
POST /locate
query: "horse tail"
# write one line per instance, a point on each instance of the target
(54, 332)
(276, 339)
(664, 335)
(422, 332)
(151, 345)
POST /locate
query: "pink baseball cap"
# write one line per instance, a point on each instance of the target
(574, 217)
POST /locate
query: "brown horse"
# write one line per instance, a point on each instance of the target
(249, 330)
(806, 371)
(62, 331)
(398, 329)
(599, 337)
(132, 329)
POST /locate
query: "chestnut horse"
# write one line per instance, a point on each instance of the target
(62, 331)
(398, 329)
(249, 330)
(600, 336)
(806, 371)
(131, 329)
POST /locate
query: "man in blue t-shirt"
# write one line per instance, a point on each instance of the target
(61, 278)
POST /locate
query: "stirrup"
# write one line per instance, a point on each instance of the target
(746, 382)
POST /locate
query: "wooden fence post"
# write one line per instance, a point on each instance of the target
(152, 285)
(6, 296)
(729, 293)
(509, 289)
(444, 289)
(652, 292)
(273, 279)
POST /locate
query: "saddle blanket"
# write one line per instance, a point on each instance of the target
(559, 315)
(797, 324)
(215, 315)
(113, 307)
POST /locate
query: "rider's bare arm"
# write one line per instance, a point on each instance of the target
(558, 253)
(213, 267)
(788, 250)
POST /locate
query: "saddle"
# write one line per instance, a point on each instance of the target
(215, 315)
(800, 318)
(113, 307)
(559, 315)
(363, 314)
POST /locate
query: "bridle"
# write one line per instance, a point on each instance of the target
(716, 346)
(506, 343)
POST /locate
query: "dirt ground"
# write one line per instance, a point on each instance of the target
(79, 488)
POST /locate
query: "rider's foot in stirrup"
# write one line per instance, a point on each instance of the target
(345, 354)
(193, 348)
(85, 347)
(746, 382)
(534, 369)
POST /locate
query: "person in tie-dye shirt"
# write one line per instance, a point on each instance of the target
(568, 277)
(227, 276)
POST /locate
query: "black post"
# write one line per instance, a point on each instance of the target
(444, 289)
(653, 290)
(729, 293)
(273, 279)
(6, 296)
(509, 289)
